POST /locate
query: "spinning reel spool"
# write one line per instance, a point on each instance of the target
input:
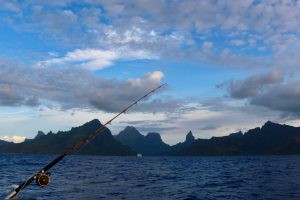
(43, 179)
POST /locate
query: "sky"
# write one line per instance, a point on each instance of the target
(229, 65)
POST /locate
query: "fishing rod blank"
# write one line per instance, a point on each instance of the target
(42, 178)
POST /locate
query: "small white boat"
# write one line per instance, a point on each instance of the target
(139, 155)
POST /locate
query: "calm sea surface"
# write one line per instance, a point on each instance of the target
(97, 177)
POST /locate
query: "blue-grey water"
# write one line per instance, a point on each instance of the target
(98, 177)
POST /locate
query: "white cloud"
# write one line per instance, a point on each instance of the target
(95, 59)
(14, 138)
(150, 78)
(92, 59)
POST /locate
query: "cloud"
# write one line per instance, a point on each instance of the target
(209, 127)
(73, 88)
(14, 138)
(160, 28)
(207, 45)
(57, 22)
(11, 97)
(252, 85)
(283, 97)
(92, 59)
(268, 90)
(10, 6)
(155, 76)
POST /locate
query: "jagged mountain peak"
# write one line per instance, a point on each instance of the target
(271, 126)
(93, 122)
(189, 138)
(39, 135)
(237, 134)
(269, 123)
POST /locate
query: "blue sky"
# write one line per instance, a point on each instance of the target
(229, 65)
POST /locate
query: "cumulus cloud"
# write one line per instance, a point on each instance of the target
(268, 90)
(252, 85)
(161, 28)
(14, 138)
(71, 88)
(283, 97)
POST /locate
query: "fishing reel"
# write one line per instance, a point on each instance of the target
(42, 179)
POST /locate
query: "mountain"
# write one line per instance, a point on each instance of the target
(39, 135)
(103, 144)
(271, 138)
(130, 137)
(150, 145)
(2, 142)
(189, 140)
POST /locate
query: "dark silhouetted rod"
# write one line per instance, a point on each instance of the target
(18, 189)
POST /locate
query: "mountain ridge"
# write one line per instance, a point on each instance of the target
(56, 143)
(270, 138)
(150, 144)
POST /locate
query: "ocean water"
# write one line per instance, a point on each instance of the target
(100, 177)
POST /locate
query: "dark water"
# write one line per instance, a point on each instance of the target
(96, 177)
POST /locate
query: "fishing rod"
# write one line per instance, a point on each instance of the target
(43, 177)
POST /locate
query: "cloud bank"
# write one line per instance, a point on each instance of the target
(69, 88)
(252, 85)
(268, 90)
(14, 138)
(169, 29)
